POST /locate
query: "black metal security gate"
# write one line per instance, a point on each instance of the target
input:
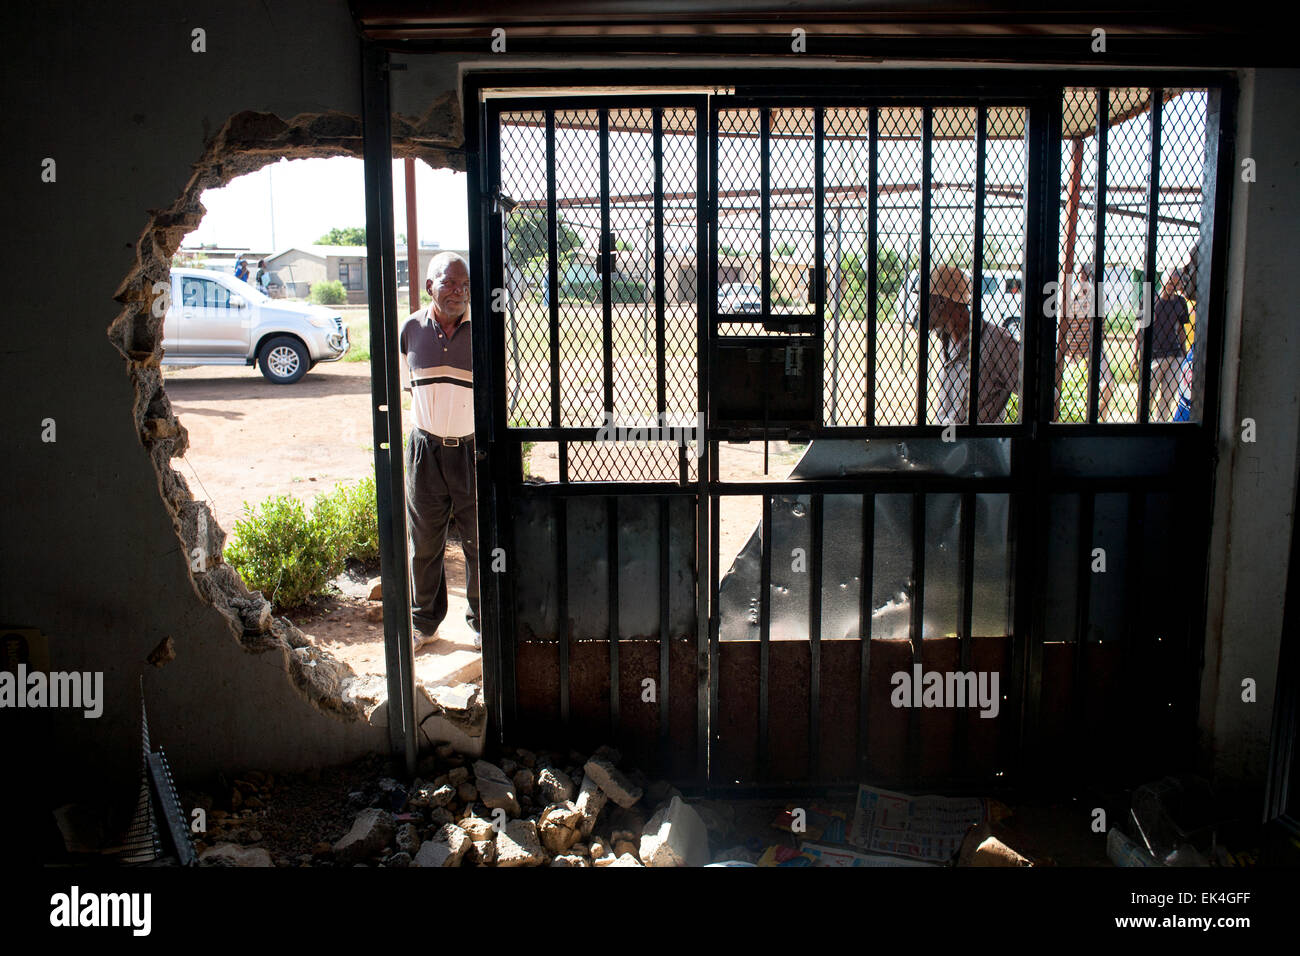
(661, 277)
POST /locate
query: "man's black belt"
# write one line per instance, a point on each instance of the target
(449, 442)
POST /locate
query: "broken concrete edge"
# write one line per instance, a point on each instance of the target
(247, 141)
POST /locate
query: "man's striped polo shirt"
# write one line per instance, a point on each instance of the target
(442, 376)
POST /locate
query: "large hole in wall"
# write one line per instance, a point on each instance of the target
(246, 143)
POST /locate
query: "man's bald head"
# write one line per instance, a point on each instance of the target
(439, 263)
(448, 285)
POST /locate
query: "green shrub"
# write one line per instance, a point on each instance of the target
(290, 556)
(282, 552)
(350, 513)
(328, 292)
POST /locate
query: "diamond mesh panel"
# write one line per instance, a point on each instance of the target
(1002, 291)
(846, 164)
(577, 189)
(1128, 170)
(792, 230)
(898, 214)
(1078, 225)
(525, 230)
(630, 459)
(1180, 199)
(952, 243)
(681, 259)
(632, 280)
(739, 216)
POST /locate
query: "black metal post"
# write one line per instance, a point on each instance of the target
(386, 406)
(1152, 270)
(1099, 256)
(873, 151)
(553, 270)
(977, 267)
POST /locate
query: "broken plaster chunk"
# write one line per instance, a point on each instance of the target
(495, 789)
(370, 833)
(554, 785)
(518, 845)
(675, 836)
(591, 800)
(558, 827)
(612, 781)
(447, 847)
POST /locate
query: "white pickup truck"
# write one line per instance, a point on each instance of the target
(215, 319)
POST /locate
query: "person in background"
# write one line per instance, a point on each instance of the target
(1167, 346)
(263, 277)
(241, 269)
(999, 373)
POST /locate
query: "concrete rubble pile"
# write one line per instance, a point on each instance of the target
(528, 809)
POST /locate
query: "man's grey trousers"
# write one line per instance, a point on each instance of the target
(439, 490)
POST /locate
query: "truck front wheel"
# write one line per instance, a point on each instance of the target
(284, 360)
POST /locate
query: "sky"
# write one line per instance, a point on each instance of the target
(312, 196)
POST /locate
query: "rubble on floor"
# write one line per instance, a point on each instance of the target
(530, 809)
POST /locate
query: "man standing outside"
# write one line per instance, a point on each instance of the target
(440, 457)
(949, 307)
(1167, 340)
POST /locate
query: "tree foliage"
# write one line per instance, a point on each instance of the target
(345, 236)
(528, 238)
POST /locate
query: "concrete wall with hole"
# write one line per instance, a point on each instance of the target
(99, 529)
(97, 526)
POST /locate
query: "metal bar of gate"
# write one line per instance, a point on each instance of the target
(1152, 276)
(816, 284)
(1099, 256)
(1029, 457)
(815, 639)
(665, 637)
(552, 270)
(765, 203)
(495, 475)
(873, 152)
(977, 270)
(706, 527)
(764, 635)
(660, 370)
(606, 280)
(611, 560)
(386, 406)
(707, 504)
(923, 293)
